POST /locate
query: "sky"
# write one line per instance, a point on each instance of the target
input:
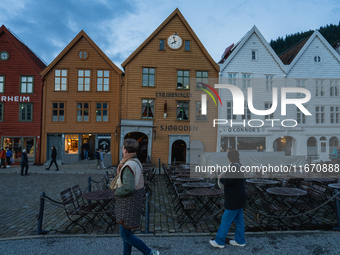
(118, 27)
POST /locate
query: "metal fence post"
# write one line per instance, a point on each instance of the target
(147, 215)
(89, 181)
(337, 202)
(39, 230)
(159, 167)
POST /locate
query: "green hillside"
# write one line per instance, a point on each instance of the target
(330, 32)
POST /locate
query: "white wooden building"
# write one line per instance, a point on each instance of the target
(312, 64)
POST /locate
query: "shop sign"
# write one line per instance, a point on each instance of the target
(178, 128)
(174, 94)
(15, 98)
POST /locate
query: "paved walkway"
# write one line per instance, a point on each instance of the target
(273, 243)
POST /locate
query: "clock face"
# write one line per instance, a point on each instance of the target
(174, 42)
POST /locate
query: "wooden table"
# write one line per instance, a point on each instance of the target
(104, 199)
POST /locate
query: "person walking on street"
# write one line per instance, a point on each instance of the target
(97, 158)
(102, 157)
(9, 154)
(86, 150)
(2, 158)
(129, 198)
(24, 163)
(53, 159)
(234, 202)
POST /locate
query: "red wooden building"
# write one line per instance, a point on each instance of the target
(20, 97)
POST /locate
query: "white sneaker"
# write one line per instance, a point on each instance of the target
(213, 243)
(8, 166)
(233, 242)
(153, 252)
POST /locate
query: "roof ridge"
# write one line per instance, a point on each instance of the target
(293, 46)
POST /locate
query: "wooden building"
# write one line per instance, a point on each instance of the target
(161, 105)
(21, 97)
(81, 103)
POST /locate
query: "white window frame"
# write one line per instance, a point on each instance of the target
(84, 80)
(319, 114)
(246, 80)
(319, 88)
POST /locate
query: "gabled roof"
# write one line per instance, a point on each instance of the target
(306, 45)
(165, 22)
(245, 38)
(288, 56)
(30, 56)
(71, 44)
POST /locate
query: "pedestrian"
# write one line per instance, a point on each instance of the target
(2, 158)
(53, 158)
(102, 157)
(334, 154)
(24, 163)
(234, 202)
(86, 150)
(97, 158)
(130, 197)
(9, 155)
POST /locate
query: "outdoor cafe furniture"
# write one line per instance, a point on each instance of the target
(252, 194)
(183, 175)
(261, 182)
(105, 200)
(197, 185)
(206, 199)
(186, 179)
(336, 187)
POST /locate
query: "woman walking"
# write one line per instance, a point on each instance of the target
(129, 198)
(234, 202)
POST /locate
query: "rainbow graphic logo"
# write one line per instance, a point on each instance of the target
(205, 88)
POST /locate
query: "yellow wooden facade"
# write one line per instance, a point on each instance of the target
(161, 131)
(80, 54)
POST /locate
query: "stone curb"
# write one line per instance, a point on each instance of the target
(230, 234)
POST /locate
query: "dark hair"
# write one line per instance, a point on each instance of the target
(131, 145)
(233, 156)
(53, 147)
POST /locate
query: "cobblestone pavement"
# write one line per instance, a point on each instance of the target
(20, 203)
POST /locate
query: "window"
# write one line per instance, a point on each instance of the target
(103, 80)
(199, 115)
(253, 54)
(4, 55)
(84, 80)
(319, 114)
(317, 59)
(26, 84)
(82, 111)
(83, 55)
(182, 111)
(266, 107)
(232, 78)
(334, 88)
(300, 117)
(201, 77)
(319, 88)
(58, 111)
(71, 144)
(148, 108)
(246, 80)
(2, 84)
(300, 84)
(335, 114)
(149, 77)
(102, 112)
(269, 82)
(161, 44)
(1, 112)
(26, 112)
(247, 113)
(60, 80)
(230, 111)
(187, 45)
(183, 79)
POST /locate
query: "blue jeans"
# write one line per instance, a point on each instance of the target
(228, 217)
(130, 240)
(86, 154)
